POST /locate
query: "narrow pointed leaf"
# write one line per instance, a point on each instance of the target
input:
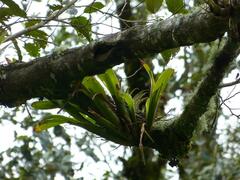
(163, 79)
(51, 121)
(139, 98)
(110, 79)
(123, 111)
(44, 105)
(103, 122)
(113, 131)
(150, 74)
(93, 85)
(152, 102)
(105, 110)
(131, 106)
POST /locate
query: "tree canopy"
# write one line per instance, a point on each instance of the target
(63, 59)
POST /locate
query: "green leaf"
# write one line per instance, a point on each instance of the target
(40, 37)
(83, 26)
(139, 98)
(44, 105)
(55, 7)
(153, 5)
(91, 125)
(110, 79)
(5, 13)
(104, 108)
(51, 121)
(61, 36)
(163, 79)
(33, 49)
(14, 8)
(32, 22)
(22, 138)
(152, 102)
(168, 54)
(3, 34)
(112, 129)
(175, 6)
(93, 7)
(100, 99)
(150, 74)
(103, 122)
(131, 106)
(93, 85)
(82, 104)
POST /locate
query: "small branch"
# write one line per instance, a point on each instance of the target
(229, 108)
(42, 23)
(188, 120)
(229, 97)
(230, 83)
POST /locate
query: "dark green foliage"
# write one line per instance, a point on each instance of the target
(82, 25)
(101, 113)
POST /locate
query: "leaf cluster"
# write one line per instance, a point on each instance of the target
(174, 6)
(99, 105)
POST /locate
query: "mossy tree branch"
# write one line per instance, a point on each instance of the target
(51, 76)
(172, 137)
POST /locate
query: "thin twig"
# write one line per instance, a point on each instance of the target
(104, 156)
(230, 97)
(230, 83)
(123, 8)
(231, 111)
(133, 74)
(41, 24)
(28, 111)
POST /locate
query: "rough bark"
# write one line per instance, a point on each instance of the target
(172, 137)
(51, 76)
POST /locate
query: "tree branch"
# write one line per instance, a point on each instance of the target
(230, 83)
(172, 137)
(42, 23)
(51, 76)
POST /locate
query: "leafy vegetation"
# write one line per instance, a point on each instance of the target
(117, 117)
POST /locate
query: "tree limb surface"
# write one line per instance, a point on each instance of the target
(172, 137)
(51, 76)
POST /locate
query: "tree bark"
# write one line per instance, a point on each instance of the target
(52, 76)
(172, 137)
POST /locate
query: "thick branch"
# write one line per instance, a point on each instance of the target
(51, 76)
(188, 120)
(172, 137)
